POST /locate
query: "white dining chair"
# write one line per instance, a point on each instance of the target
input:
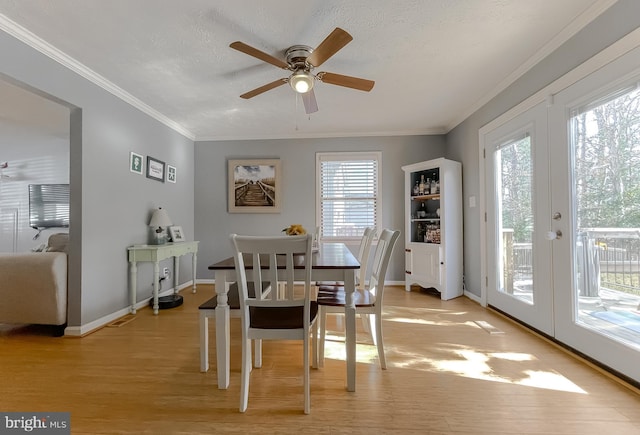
(277, 317)
(326, 289)
(368, 302)
(362, 256)
(207, 310)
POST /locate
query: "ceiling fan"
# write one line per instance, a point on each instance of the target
(301, 61)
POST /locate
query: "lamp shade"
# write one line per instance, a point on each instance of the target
(160, 219)
(301, 82)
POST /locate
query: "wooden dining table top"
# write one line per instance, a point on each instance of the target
(329, 256)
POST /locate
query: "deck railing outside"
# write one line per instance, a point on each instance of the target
(606, 257)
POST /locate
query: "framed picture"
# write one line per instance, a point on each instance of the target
(136, 163)
(176, 233)
(254, 186)
(171, 174)
(155, 169)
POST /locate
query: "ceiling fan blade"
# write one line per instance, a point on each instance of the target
(264, 88)
(330, 46)
(310, 103)
(346, 81)
(247, 49)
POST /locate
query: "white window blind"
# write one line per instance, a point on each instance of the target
(348, 194)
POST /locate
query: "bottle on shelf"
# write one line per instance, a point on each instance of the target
(433, 187)
(422, 185)
(422, 213)
(416, 189)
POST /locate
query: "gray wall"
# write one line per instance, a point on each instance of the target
(213, 223)
(463, 141)
(110, 206)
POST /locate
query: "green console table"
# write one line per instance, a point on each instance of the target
(155, 254)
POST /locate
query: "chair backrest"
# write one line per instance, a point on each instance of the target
(386, 242)
(316, 238)
(363, 254)
(272, 260)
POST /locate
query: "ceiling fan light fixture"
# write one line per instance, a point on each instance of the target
(301, 82)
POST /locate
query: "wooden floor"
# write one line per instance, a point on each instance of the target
(454, 368)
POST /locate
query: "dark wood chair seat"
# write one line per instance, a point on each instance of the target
(280, 317)
(234, 298)
(335, 296)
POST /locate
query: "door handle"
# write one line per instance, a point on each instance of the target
(553, 235)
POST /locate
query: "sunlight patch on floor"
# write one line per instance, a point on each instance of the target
(491, 367)
(334, 348)
(414, 321)
(550, 381)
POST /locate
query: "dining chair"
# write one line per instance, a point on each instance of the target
(326, 289)
(277, 317)
(316, 239)
(368, 302)
(363, 258)
(207, 310)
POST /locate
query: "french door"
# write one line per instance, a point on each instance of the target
(596, 177)
(517, 162)
(562, 190)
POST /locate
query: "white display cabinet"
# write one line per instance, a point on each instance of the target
(433, 226)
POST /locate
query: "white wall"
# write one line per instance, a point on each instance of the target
(32, 160)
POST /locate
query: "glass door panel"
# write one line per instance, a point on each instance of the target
(605, 145)
(515, 182)
(519, 256)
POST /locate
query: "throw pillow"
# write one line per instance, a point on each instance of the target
(58, 242)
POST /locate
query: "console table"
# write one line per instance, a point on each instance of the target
(155, 254)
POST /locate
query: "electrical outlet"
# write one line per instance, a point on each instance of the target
(165, 272)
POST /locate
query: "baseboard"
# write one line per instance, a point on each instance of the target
(473, 297)
(88, 328)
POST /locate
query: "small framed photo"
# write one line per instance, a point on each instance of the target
(176, 233)
(155, 169)
(171, 174)
(136, 163)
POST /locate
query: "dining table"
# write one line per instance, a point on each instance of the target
(330, 262)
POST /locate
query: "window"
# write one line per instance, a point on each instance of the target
(48, 206)
(347, 194)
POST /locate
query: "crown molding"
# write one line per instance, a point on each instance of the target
(20, 33)
(311, 135)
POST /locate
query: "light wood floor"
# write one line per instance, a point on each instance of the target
(447, 375)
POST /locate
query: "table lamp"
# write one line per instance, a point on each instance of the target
(160, 220)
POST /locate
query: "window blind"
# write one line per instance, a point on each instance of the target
(348, 194)
(48, 205)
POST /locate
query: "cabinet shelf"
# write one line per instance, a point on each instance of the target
(425, 197)
(426, 220)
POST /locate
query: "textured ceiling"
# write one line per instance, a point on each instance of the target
(434, 61)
